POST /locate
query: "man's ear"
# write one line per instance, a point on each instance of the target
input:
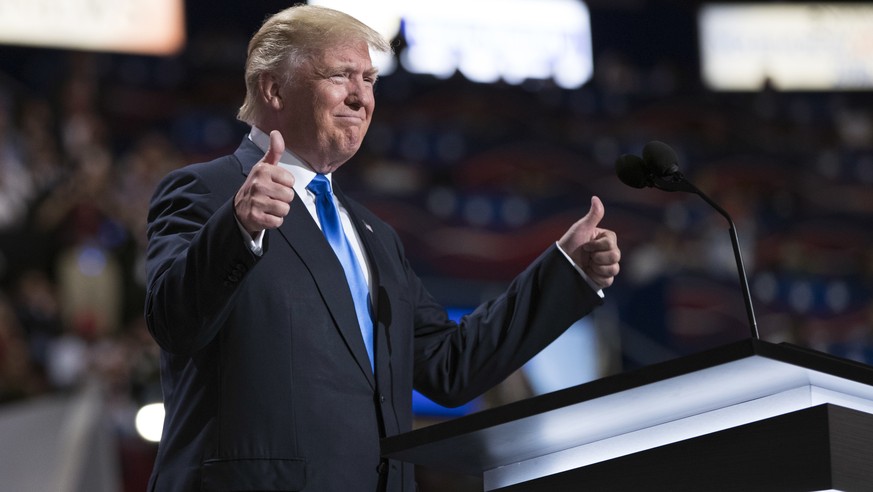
(270, 91)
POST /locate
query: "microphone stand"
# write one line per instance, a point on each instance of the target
(677, 182)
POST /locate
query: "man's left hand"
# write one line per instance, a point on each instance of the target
(593, 249)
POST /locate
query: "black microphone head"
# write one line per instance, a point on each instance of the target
(631, 171)
(660, 158)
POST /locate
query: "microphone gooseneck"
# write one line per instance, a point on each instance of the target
(659, 168)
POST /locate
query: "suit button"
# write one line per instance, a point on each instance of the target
(381, 398)
(236, 273)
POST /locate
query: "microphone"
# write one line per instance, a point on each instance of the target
(631, 171)
(661, 157)
(659, 168)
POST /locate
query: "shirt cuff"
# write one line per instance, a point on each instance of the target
(585, 277)
(255, 244)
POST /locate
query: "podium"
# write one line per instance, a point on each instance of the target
(748, 416)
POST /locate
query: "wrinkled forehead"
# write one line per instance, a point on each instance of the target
(354, 56)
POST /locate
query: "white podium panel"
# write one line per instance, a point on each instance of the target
(631, 413)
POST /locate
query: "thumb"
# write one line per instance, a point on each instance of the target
(595, 213)
(276, 148)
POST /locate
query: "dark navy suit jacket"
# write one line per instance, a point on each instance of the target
(266, 381)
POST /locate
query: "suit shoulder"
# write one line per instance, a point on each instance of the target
(219, 166)
(220, 175)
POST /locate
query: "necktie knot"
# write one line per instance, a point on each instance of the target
(319, 185)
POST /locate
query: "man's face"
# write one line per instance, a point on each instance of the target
(328, 106)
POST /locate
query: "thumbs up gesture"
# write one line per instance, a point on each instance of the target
(593, 249)
(264, 199)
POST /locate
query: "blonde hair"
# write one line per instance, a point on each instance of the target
(288, 38)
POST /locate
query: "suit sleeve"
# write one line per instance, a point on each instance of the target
(196, 260)
(455, 363)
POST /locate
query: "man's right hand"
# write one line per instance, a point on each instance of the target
(264, 200)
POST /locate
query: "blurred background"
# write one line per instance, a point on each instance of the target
(495, 124)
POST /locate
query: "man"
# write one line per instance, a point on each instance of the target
(274, 378)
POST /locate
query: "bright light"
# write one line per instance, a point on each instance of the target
(426, 59)
(150, 421)
(792, 46)
(485, 40)
(511, 40)
(381, 15)
(153, 27)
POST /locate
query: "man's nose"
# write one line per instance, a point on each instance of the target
(360, 92)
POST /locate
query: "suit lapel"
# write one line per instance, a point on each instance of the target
(307, 240)
(377, 258)
(368, 242)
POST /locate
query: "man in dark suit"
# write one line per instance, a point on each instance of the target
(285, 356)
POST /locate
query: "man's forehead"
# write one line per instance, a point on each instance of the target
(345, 56)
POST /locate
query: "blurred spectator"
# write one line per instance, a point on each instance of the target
(17, 378)
(38, 311)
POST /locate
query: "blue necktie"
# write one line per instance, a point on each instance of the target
(333, 231)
